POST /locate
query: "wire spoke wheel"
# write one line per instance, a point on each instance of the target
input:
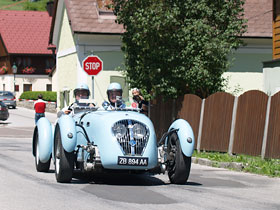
(178, 165)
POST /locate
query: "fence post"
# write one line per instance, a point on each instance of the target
(266, 127)
(232, 129)
(200, 126)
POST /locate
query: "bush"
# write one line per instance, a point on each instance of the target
(33, 95)
(36, 5)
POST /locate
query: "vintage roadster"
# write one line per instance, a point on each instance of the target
(120, 140)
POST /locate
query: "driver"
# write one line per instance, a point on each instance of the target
(114, 93)
(80, 92)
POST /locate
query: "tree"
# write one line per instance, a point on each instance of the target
(36, 5)
(174, 47)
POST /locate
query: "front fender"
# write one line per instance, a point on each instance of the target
(184, 132)
(67, 132)
(44, 131)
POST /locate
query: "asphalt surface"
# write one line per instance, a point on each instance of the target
(207, 188)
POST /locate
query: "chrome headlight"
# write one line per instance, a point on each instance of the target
(139, 131)
(119, 130)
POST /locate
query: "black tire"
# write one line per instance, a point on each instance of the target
(40, 167)
(178, 165)
(63, 161)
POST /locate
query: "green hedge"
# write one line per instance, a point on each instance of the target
(33, 95)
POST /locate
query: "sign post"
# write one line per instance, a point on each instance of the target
(92, 65)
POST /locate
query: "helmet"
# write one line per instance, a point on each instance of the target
(113, 90)
(82, 88)
(114, 86)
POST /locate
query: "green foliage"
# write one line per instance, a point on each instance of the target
(39, 5)
(269, 167)
(33, 95)
(11, 5)
(36, 6)
(174, 47)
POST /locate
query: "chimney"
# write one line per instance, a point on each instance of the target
(50, 8)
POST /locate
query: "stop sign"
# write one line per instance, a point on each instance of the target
(92, 65)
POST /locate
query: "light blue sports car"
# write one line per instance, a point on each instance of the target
(120, 140)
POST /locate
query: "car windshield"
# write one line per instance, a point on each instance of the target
(5, 93)
(79, 109)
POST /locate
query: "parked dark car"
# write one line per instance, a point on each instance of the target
(8, 99)
(4, 113)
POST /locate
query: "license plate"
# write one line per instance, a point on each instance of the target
(133, 161)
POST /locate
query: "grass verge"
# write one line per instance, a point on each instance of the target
(268, 167)
(11, 5)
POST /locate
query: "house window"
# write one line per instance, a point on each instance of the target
(27, 87)
(49, 87)
(16, 88)
(24, 63)
(49, 63)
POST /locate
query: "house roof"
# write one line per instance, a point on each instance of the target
(90, 16)
(259, 15)
(25, 32)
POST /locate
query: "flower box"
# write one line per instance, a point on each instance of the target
(28, 70)
(3, 69)
(48, 71)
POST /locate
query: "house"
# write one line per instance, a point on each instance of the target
(271, 68)
(82, 28)
(24, 39)
(246, 72)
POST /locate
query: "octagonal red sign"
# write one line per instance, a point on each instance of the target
(92, 65)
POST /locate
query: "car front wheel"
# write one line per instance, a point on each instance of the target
(40, 167)
(63, 161)
(178, 165)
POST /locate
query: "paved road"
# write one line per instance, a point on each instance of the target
(21, 187)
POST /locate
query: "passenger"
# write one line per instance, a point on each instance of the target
(80, 92)
(139, 99)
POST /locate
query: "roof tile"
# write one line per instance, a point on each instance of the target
(259, 15)
(85, 16)
(25, 32)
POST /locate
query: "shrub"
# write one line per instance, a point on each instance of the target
(33, 95)
(36, 5)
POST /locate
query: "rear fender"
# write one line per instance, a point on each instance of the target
(67, 132)
(44, 129)
(185, 135)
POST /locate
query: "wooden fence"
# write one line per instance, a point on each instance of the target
(248, 124)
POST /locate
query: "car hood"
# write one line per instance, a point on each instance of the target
(108, 118)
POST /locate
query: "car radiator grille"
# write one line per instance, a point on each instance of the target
(131, 144)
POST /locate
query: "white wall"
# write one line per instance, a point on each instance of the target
(39, 82)
(108, 48)
(271, 80)
(239, 82)
(246, 71)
